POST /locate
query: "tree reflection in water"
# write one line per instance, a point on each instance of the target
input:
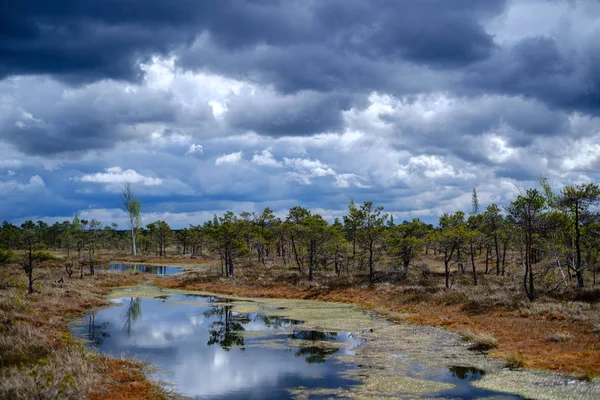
(463, 373)
(314, 354)
(275, 321)
(227, 331)
(227, 327)
(132, 314)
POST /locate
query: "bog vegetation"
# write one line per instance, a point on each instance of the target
(500, 274)
(551, 239)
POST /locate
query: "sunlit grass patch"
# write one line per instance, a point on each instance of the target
(515, 360)
(480, 341)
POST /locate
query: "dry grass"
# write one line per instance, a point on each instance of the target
(480, 341)
(67, 374)
(515, 360)
(558, 337)
(39, 359)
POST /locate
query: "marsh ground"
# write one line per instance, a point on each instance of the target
(38, 356)
(559, 332)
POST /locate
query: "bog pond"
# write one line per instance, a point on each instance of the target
(218, 347)
(145, 269)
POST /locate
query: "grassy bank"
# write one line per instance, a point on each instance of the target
(38, 356)
(558, 333)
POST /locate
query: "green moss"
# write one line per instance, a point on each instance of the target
(540, 385)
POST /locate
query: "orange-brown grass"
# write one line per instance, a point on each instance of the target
(125, 382)
(496, 307)
(38, 357)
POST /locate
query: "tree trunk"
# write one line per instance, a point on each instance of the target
(473, 264)
(497, 255)
(91, 262)
(30, 279)
(312, 260)
(529, 268)
(504, 248)
(578, 271)
(133, 247)
(461, 267)
(447, 271)
(447, 258)
(296, 255)
(371, 272)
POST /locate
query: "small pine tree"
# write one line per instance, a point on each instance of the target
(475, 203)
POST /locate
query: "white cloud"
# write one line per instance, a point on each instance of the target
(35, 182)
(231, 158)
(118, 175)
(10, 163)
(194, 149)
(584, 154)
(346, 180)
(51, 165)
(313, 168)
(431, 167)
(304, 169)
(266, 158)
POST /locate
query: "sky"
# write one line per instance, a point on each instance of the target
(208, 106)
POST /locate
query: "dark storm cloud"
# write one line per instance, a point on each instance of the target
(348, 44)
(85, 39)
(431, 32)
(88, 39)
(305, 113)
(459, 121)
(536, 67)
(39, 116)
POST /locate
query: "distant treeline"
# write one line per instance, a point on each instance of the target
(546, 234)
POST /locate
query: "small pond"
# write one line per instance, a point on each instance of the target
(147, 269)
(225, 348)
(205, 349)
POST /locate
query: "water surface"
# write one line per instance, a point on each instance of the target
(223, 348)
(148, 269)
(207, 350)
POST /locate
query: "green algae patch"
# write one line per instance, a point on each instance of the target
(139, 291)
(246, 308)
(263, 333)
(318, 344)
(322, 316)
(377, 385)
(540, 385)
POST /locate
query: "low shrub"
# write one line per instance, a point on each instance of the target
(480, 341)
(558, 337)
(515, 360)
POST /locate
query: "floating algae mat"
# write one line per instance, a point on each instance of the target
(222, 347)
